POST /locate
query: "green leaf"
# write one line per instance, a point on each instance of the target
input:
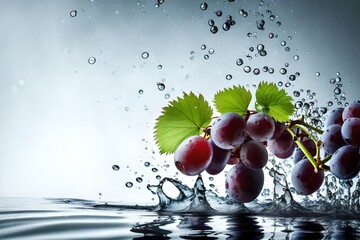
(182, 118)
(274, 101)
(235, 99)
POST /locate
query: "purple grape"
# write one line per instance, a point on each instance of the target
(304, 179)
(260, 127)
(335, 117)
(283, 146)
(351, 110)
(228, 131)
(345, 162)
(332, 139)
(219, 160)
(253, 154)
(350, 131)
(279, 129)
(244, 184)
(193, 155)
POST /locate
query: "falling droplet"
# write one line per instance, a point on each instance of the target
(116, 167)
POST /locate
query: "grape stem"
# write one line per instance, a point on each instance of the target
(303, 148)
(301, 122)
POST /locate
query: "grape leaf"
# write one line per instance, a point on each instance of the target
(274, 101)
(235, 99)
(182, 118)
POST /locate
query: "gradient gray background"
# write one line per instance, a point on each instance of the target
(64, 122)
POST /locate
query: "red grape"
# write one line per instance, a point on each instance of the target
(219, 159)
(260, 127)
(228, 131)
(253, 154)
(244, 184)
(193, 155)
(283, 146)
(304, 178)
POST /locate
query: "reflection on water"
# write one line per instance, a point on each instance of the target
(78, 219)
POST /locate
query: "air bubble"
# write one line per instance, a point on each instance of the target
(154, 169)
(260, 24)
(228, 77)
(297, 74)
(283, 71)
(214, 29)
(116, 167)
(92, 60)
(159, 66)
(160, 86)
(203, 6)
(243, 13)
(145, 55)
(247, 69)
(256, 71)
(158, 177)
(265, 68)
(296, 94)
(263, 53)
(287, 84)
(330, 103)
(73, 13)
(278, 23)
(251, 49)
(337, 91)
(239, 62)
(129, 184)
(280, 83)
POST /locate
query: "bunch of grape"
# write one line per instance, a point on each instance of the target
(237, 141)
(342, 139)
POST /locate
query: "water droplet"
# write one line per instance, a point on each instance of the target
(159, 66)
(154, 169)
(203, 47)
(298, 104)
(167, 96)
(317, 74)
(330, 103)
(211, 51)
(271, 70)
(92, 60)
(127, 109)
(206, 57)
(129, 184)
(265, 68)
(243, 13)
(239, 62)
(145, 55)
(296, 94)
(247, 69)
(283, 71)
(141, 91)
(146, 164)
(161, 1)
(278, 23)
(272, 17)
(73, 13)
(226, 26)
(139, 179)
(160, 86)
(332, 81)
(260, 24)
(338, 79)
(218, 13)
(292, 77)
(211, 22)
(271, 35)
(337, 91)
(287, 49)
(256, 71)
(228, 77)
(260, 47)
(158, 177)
(116, 167)
(287, 84)
(280, 83)
(214, 29)
(296, 57)
(297, 74)
(263, 53)
(251, 49)
(203, 6)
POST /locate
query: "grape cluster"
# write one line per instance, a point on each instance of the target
(246, 142)
(235, 141)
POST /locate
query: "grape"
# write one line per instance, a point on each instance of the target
(304, 178)
(233, 160)
(309, 145)
(253, 154)
(332, 139)
(345, 162)
(283, 146)
(228, 131)
(193, 155)
(260, 127)
(244, 184)
(219, 159)
(351, 110)
(350, 131)
(279, 129)
(335, 117)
